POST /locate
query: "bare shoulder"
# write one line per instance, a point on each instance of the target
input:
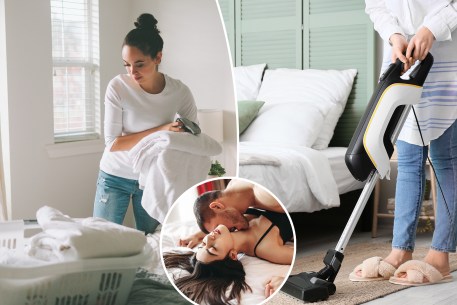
(258, 196)
(264, 200)
(272, 248)
(239, 185)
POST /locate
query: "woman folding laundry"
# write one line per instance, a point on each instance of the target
(138, 103)
(216, 276)
(410, 29)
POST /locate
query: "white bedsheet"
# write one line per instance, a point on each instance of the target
(299, 188)
(258, 271)
(343, 177)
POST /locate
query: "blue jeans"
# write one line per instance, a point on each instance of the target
(112, 200)
(410, 190)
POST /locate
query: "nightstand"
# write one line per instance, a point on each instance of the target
(385, 190)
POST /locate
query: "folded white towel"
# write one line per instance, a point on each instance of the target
(169, 163)
(144, 152)
(17, 258)
(64, 238)
(200, 145)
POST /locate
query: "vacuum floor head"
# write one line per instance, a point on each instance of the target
(308, 287)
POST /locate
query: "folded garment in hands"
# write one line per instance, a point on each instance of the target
(64, 238)
(168, 164)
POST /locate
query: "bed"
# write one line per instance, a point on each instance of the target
(281, 51)
(291, 183)
(287, 121)
(181, 222)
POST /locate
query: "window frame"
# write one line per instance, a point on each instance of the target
(91, 84)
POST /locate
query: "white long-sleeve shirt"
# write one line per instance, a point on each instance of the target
(129, 109)
(437, 109)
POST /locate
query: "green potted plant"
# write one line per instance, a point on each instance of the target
(216, 169)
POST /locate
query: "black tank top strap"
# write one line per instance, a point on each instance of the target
(254, 211)
(263, 236)
(278, 219)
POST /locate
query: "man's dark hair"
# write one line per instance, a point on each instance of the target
(202, 210)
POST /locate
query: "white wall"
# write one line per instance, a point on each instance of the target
(183, 209)
(378, 57)
(195, 51)
(3, 109)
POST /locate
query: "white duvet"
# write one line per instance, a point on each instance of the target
(299, 176)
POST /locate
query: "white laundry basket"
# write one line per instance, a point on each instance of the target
(99, 281)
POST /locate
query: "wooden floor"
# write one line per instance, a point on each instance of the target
(308, 242)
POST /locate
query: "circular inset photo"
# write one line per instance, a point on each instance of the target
(228, 241)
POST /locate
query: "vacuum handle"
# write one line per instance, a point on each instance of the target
(393, 69)
(419, 74)
(416, 77)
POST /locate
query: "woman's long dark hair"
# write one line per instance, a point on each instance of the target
(208, 282)
(146, 36)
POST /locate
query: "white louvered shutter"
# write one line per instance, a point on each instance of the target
(339, 35)
(269, 31)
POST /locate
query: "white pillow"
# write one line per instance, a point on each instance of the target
(323, 87)
(247, 81)
(293, 123)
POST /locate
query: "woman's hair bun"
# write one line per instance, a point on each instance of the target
(146, 22)
(145, 36)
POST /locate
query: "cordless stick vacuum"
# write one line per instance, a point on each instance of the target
(368, 159)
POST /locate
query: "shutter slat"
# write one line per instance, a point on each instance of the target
(227, 8)
(330, 6)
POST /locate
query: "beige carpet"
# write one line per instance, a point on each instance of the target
(347, 292)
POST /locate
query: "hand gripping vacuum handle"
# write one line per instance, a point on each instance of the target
(372, 143)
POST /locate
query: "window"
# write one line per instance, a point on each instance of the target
(76, 77)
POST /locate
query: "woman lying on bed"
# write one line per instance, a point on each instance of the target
(216, 276)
